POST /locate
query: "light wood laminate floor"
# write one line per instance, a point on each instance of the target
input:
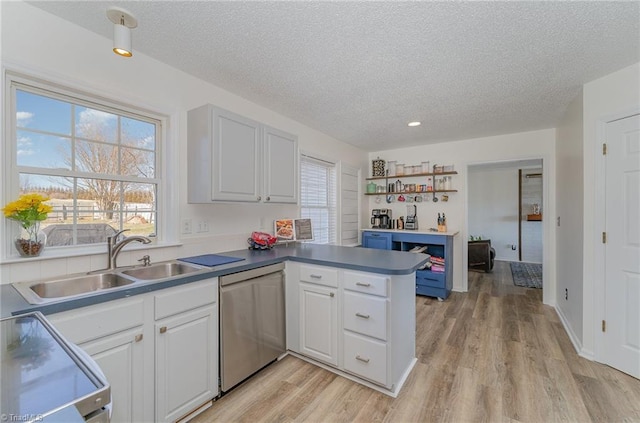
(493, 354)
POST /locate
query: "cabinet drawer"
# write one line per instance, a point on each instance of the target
(365, 314)
(365, 357)
(186, 297)
(88, 323)
(368, 283)
(377, 240)
(436, 280)
(319, 275)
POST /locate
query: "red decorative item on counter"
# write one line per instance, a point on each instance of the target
(261, 241)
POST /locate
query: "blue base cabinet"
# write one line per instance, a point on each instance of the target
(432, 284)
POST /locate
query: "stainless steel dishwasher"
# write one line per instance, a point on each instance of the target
(252, 322)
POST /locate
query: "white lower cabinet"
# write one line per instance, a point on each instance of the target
(121, 359)
(360, 323)
(186, 362)
(159, 351)
(319, 322)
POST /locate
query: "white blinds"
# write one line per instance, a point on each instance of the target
(318, 198)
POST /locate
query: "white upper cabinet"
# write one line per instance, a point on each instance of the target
(281, 166)
(233, 158)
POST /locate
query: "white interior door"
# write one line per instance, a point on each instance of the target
(622, 248)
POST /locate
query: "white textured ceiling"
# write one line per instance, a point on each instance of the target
(359, 71)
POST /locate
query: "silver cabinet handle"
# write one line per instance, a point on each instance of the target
(363, 284)
(331, 294)
(268, 198)
(316, 276)
(163, 329)
(259, 198)
(364, 360)
(138, 337)
(364, 316)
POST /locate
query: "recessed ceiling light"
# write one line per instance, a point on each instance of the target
(416, 123)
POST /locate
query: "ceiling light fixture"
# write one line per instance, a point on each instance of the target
(123, 22)
(416, 123)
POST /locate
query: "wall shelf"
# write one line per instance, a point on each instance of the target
(413, 192)
(413, 175)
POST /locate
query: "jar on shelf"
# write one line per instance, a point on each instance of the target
(424, 167)
(399, 169)
(391, 168)
(447, 182)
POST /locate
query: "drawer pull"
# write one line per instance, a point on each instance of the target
(363, 284)
(316, 276)
(163, 329)
(364, 360)
(138, 337)
(364, 316)
(331, 294)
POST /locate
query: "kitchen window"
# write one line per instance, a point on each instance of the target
(318, 198)
(95, 159)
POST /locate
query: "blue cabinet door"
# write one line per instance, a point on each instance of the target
(378, 240)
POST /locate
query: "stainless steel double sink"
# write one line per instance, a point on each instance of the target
(74, 286)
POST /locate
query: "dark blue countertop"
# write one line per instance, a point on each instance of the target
(363, 259)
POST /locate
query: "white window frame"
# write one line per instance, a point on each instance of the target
(9, 188)
(333, 211)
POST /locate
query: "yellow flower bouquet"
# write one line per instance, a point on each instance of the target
(29, 210)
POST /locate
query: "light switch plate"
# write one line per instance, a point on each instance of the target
(186, 226)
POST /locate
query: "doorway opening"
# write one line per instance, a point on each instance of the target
(505, 218)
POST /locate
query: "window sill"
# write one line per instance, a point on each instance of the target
(79, 251)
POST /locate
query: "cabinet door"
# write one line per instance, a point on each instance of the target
(236, 157)
(121, 359)
(281, 166)
(319, 323)
(378, 240)
(186, 362)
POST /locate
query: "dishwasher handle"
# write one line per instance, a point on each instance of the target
(250, 274)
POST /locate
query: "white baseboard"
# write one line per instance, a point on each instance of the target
(577, 344)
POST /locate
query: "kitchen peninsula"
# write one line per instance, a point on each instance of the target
(348, 310)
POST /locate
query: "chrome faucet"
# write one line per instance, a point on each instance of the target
(114, 248)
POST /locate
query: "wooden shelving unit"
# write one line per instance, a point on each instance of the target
(413, 175)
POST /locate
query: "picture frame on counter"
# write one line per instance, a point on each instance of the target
(293, 230)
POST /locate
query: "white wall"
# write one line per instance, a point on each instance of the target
(493, 208)
(569, 205)
(41, 44)
(607, 98)
(520, 146)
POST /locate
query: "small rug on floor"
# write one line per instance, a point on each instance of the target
(528, 275)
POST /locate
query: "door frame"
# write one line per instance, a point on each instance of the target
(548, 228)
(600, 224)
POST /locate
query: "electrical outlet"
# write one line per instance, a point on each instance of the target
(186, 226)
(203, 226)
